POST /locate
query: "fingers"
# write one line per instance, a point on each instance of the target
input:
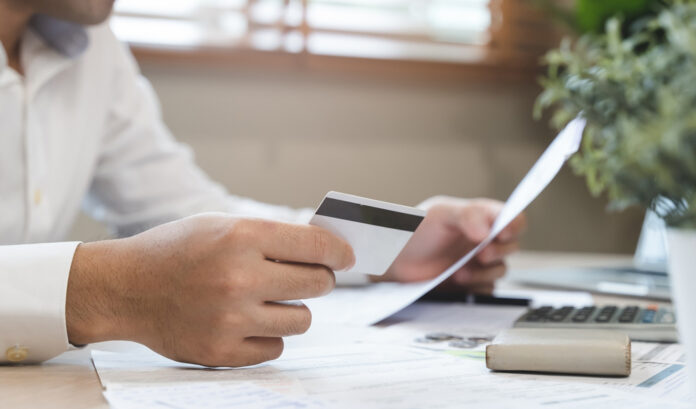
(496, 252)
(475, 219)
(254, 350)
(235, 352)
(281, 320)
(476, 275)
(288, 281)
(304, 244)
(484, 289)
(513, 230)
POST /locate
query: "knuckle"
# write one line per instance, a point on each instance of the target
(292, 322)
(326, 281)
(241, 229)
(229, 320)
(321, 244)
(315, 285)
(240, 283)
(246, 230)
(294, 283)
(322, 281)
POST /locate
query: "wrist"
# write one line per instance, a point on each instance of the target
(88, 310)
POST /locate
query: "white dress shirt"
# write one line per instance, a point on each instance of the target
(82, 128)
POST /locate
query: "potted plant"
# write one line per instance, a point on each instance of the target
(635, 83)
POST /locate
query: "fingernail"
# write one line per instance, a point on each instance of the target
(351, 264)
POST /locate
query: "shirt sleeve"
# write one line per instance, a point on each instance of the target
(143, 176)
(32, 301)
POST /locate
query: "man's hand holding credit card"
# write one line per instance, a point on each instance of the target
(457, 235)
(376, 230)
(461, 242)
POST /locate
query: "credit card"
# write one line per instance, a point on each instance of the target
(376, 230)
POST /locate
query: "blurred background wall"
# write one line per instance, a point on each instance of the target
(291, 137)
(285, 134)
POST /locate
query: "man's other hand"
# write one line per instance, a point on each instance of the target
(452, 227)
(202, 289)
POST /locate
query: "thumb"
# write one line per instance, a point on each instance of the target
(475, 222)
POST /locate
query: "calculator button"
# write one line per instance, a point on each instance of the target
(628, 314)
(538, 314)
(667, 318)
(560, 314)
(648, 316)
(544, 310)
(605, 314)
(583, 314)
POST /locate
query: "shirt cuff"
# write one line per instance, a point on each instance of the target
(33, 286)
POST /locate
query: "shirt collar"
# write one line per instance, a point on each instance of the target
(68, 39)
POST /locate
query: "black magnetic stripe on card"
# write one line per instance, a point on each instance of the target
(360, 213)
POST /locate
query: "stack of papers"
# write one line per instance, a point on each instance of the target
(380, 375)
(387, 367)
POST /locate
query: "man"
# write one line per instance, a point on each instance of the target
(78, 125)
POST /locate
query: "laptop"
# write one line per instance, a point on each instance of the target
(646, 278)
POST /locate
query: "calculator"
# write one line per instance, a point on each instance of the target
(651, 323)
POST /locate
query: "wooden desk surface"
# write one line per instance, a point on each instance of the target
(70, 381)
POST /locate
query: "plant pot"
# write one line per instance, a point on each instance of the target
(682, 272)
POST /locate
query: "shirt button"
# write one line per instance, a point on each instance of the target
(38, 197)
(16, 354)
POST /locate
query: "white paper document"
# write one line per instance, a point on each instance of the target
(382, 367)
(368, 305)
(366, 376)
(204, 395)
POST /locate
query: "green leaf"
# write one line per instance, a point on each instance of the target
(637, 90)
(592, 14)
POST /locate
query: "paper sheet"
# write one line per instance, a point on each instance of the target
(368, 305)
(379, 367)
(381, 376)
(410, 325)
(204, 395)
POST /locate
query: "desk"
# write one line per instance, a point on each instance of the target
(70, 381)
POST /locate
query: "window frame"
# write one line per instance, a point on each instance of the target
(504, 57)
